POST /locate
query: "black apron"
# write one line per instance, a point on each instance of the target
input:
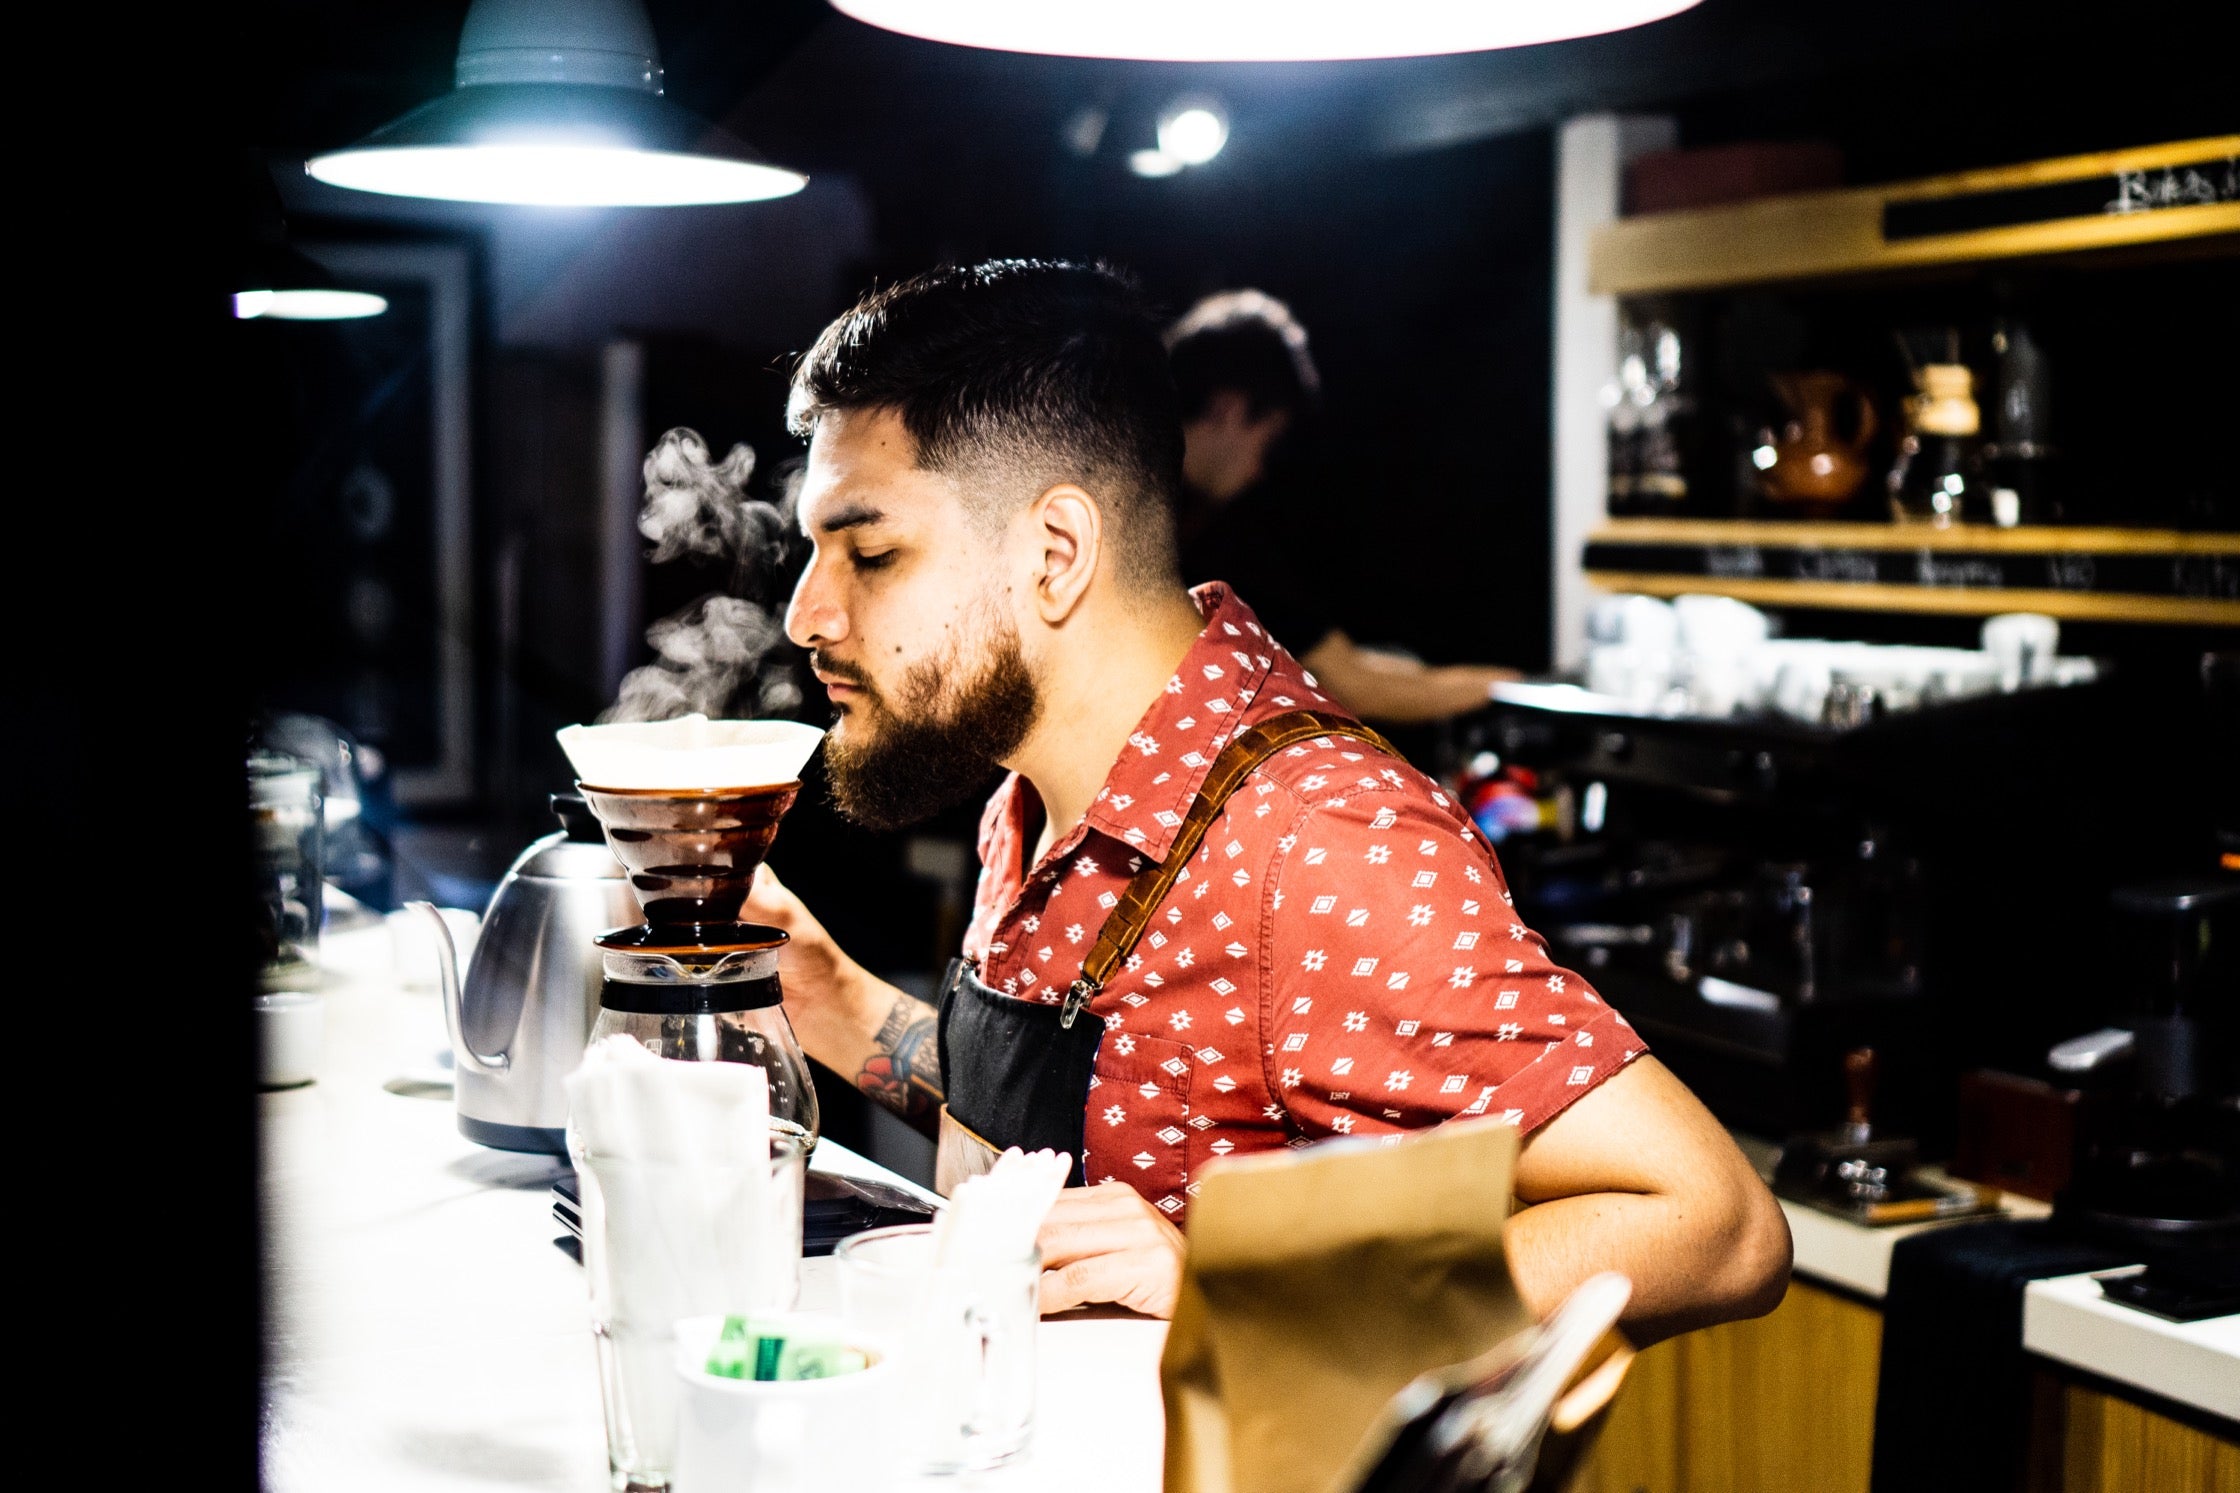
(1016, 1073)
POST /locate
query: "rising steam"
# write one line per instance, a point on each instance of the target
(715, 656)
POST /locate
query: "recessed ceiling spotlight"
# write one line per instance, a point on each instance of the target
(1254, 30)
(1153, 163)
(1193, 130)
(558, 103)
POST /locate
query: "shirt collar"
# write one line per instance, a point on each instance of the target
(1233, 675)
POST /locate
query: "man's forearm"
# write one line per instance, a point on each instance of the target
(902, 1069)
(1391, 687)
(1636, 1176)
(1687, 1272)
(878, 1037)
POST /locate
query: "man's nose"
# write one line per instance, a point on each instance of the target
(814, 618)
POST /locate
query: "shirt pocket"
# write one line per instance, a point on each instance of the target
(1138, 1128)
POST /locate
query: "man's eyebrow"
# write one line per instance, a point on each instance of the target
(853, 516)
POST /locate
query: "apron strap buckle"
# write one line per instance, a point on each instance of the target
(1081, 993)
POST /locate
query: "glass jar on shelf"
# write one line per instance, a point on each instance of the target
(1649, 420)
(1937, 479)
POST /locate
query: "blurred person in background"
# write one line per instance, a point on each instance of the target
(1245, 379)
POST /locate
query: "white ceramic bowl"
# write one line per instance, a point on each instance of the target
(740, 1436)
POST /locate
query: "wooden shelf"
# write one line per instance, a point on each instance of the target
(2098, 574)
(2027, 539)
(1962, 601)
(1863, 230)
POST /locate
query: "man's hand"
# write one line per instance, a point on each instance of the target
(811, 964)
(847, 1018)
(1105, 1243)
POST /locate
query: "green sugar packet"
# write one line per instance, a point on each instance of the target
(731, 1357)
(767, 1353)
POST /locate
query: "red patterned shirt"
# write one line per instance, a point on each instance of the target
(1339, 958)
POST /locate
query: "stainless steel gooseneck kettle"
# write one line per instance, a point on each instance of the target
(521, 1014)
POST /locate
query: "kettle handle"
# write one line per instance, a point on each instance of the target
(447, 968)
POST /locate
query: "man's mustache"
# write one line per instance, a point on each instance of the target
(824, 663)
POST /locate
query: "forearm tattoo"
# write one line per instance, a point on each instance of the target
(904, 1073)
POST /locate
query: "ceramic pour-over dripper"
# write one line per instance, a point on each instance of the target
(691, 855)
(689, 807)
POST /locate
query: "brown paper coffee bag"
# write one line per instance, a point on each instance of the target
(1318, 1283)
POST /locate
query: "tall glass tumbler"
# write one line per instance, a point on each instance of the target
(285, 814)
(663, 1241)
(963, 1336)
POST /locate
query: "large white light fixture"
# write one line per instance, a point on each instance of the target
(558, 104)
(1254, 30)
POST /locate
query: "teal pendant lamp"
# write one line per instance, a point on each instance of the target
(558, 103)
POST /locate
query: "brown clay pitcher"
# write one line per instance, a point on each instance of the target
(1814, 471)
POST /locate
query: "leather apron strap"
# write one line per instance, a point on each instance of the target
(1252, 746)
(1018, 1072)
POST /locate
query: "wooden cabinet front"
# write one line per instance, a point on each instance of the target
(1777, 1405)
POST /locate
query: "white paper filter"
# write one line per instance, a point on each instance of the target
(690, 752)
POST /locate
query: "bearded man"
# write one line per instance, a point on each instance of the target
(1215, 914)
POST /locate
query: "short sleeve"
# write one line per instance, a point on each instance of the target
(1401, 987)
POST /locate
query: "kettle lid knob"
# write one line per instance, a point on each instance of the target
(576, 818)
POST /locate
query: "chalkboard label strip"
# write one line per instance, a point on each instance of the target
(2197, 576)
(2121, 194)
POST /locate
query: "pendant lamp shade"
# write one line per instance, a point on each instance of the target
(558, 104)
(1254, 30)
(275, 282)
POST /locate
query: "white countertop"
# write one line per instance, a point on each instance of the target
(2195, 1363)
(2065, 1319)
(1856, 1257)
(1851, 1255)
(422, 1331)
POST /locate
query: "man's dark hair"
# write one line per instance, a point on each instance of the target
(1013, 376)
(1249, 343)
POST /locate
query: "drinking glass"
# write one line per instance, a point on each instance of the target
(285, 811)
(963, 1336)
(663, 1241)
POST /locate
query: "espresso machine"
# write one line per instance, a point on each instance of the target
(1763, 897)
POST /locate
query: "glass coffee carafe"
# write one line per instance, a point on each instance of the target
(693, 982)
(715, 1002)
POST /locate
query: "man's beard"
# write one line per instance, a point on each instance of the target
(895, 766)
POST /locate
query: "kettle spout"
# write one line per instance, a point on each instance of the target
(447, 969)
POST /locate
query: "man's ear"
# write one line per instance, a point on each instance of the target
(1066, 530)
(1228, 409)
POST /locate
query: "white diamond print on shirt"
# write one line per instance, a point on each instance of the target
(1321, 835)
